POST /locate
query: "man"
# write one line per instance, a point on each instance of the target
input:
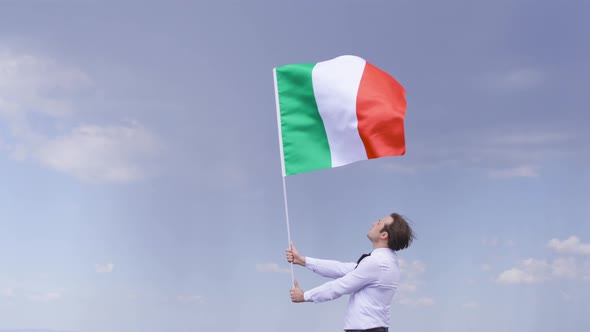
(371, 282)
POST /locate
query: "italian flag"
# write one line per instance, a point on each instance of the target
(337, 112)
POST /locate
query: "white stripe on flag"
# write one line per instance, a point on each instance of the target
(335, 84)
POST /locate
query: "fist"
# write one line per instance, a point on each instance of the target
(293, 256)
(297, 293)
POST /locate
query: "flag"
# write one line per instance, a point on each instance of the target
(336, 112)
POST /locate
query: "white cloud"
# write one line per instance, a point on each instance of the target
(191, 299)
(571, 245)
(104, 268)
(406, 287)
(565, 268)
(518, 276)
(33, 84)
(410, 282)
(100, 154)
(272, 268)
(410, 273)
(34, 90)
(531, 271)
(413, 269)
(425, 301)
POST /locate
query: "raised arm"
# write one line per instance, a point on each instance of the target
(327, 268)
(363, 275)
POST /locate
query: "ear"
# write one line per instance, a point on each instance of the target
(384, 236)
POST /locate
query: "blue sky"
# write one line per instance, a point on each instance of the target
(141, 185)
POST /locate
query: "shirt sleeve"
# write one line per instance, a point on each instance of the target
(365, 274)
(328, 268)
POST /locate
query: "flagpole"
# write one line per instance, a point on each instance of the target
(274, 71)
(288, 227)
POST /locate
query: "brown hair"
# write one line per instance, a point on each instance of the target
(400, 233)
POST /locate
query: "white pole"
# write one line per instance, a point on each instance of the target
(283, 168)
(288, 227)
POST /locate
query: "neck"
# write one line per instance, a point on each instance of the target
(379, 244)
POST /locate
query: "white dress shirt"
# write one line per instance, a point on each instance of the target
(371, 286)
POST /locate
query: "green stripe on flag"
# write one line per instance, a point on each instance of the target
(305, 144)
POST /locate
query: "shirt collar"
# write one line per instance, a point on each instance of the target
(381, 251)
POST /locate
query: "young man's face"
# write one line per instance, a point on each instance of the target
(375, 231)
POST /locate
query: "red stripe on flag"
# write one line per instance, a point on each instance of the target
(381, 108)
